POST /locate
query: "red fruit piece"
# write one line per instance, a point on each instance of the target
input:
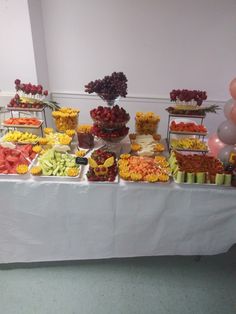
(17, 82)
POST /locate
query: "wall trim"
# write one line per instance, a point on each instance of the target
(129, 98)
(7, 94)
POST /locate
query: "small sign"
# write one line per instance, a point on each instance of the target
(81, 161)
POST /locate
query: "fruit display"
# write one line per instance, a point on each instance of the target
(107, 117)
(187, 127)
(136, 168)
(201, 169)
(55, 163)
(188, 144)
(102, 166)
(85, 136)
(12, 159)
(189, 102)
(20, 137)
(146, 123)
(185, 95)
(110, 87)
(109, 123)
(146, 145)
(29, 96)
(22, 122)
(66, 119)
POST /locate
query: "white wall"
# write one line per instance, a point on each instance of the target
(159, 44)
(16, 50)
(38, 36)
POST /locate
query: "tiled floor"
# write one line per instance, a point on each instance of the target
(157, 285)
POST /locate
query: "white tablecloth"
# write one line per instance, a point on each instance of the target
(49, 221)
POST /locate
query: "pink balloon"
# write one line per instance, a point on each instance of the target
(232, 88)
(215, 144)
(228, 107)
(227, 132)
(233, 113)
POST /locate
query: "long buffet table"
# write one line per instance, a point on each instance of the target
(54, 220)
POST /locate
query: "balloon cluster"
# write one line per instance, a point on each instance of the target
(223, 143)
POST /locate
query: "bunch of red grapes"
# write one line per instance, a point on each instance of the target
(110, 87)
(188, 95)
(100, 157)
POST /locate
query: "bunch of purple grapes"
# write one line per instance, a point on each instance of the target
(110, 87)
(188, 95)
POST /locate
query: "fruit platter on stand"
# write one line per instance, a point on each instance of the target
(184, 133)
(110, 121)
(30, 99)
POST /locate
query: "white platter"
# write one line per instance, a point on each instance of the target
(40, 177)
(19, 176)
(23, 126)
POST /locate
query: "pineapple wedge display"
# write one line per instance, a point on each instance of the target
(20, 137)
(188, 144)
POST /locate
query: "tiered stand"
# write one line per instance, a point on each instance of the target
(19, 110)
(200, 135)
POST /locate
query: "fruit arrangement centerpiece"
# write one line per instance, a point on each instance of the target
(66, 119)
(109, 122)
(193, 168)
(85, 136)
(30, 97)
(110, 88)
(136, 168)
(189, 102)
(102, 166)
(16, 160)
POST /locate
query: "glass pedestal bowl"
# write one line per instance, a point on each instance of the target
(111, 100)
